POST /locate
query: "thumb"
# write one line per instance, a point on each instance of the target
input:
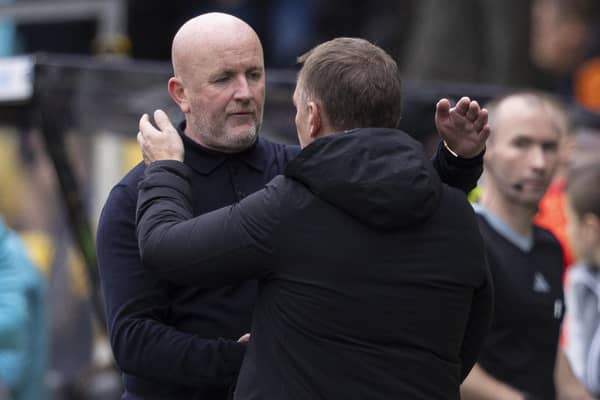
(163, 122)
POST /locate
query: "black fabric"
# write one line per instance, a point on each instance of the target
(521, 346)
(458, 172)
(370, 178)
(350, 306)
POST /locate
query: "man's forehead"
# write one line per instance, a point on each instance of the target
(535, 123)
(226, 60)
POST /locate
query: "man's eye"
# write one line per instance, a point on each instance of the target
(255, 75)
(221, 79)
(521, 143)
(550, 147)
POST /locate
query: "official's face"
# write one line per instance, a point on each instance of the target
(226, 91)
(522, 156)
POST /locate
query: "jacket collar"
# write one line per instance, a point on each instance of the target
(205, 161)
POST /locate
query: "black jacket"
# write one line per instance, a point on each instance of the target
(373, 282)
(179, 342)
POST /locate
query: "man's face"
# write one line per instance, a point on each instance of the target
(522, 155)
(225, 87)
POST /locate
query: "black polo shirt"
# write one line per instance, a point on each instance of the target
(521, 346)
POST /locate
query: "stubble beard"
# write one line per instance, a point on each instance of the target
(216, 137)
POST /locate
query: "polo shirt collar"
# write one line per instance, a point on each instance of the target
(523, 242)
(205, 161)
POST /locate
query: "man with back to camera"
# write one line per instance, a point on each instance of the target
(173, 341)
(372, 276)
(521, 358)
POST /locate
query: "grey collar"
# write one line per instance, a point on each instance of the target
(523, 242)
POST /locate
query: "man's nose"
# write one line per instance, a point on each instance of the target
(242, 89)
(538, 159)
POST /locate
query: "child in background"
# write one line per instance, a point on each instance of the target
(583, 296)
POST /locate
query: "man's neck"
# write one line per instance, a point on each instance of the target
(516, 216)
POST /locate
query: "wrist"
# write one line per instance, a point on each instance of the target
(455, 154)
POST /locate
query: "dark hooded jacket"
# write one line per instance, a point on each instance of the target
(373, 281)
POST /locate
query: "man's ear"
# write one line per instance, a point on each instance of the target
(315, 119)
(178, 94)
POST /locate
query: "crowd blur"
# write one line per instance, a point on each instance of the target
(549, 45)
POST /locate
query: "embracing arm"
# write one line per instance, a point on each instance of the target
(137, 306)
(224, 246)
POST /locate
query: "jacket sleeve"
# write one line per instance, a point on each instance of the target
(458, 172)
(228, 245)
(136, 304)
(482, 306)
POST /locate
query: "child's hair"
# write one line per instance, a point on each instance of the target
(583, 188)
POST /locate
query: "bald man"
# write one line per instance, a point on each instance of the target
(174, 342)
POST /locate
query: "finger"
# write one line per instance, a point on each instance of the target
(481, 121)
(146, 126)
(485, 132)
(473, 111)
(462, 106)
(140, 138)
(141, 141)
(163, 122)
(442, 108)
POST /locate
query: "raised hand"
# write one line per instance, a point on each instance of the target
(463, 127)
(163, 143)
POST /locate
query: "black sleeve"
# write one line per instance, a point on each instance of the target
(225, 246)
(458, 172)
(136, 303)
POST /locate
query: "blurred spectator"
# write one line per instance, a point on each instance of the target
(23, 331)
(32, 198)
(586, 84)
(561, 35)
(581, 143)
(583, 296)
